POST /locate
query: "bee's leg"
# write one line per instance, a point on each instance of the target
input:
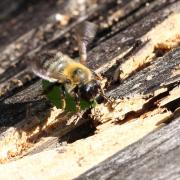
(63, 90)
(77, 100)
(68, 87)
(104, 96)
(98, 76)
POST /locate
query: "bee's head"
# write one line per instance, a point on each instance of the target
(89, 90)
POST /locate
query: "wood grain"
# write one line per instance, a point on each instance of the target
(142, 39)
(156, 156)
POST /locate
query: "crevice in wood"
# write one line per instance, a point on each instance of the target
(83, 131)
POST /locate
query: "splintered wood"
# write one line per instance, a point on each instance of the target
(163, 37)
(70, 160)
(146, 98)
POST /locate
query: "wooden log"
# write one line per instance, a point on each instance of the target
(146, 50)
(156, 156)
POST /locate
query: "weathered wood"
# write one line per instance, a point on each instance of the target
(156, 156)
(98, 56)
(161, 75)
(117, 43)
(140, 37)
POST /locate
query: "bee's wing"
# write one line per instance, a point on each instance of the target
(50, 76)
(45, 66)
(44, 75)
(85, 32)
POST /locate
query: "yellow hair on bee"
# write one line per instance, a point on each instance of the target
(72, 67)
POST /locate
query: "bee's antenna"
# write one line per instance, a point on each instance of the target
(104, 96)
(101, 89)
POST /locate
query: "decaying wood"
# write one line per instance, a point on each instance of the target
(156, 156)
(144, 55)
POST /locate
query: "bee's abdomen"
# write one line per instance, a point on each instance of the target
(47, 64)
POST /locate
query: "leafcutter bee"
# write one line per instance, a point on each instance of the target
(75, 77)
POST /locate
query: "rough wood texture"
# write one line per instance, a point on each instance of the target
(156, 156)
(138, 41)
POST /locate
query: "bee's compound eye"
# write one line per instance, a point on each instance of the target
(89, 90)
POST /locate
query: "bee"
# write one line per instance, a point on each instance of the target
(74, 75)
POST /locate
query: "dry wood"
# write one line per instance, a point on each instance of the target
(156, 156)
(146, 50)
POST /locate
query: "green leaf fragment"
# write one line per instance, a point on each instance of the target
(70, 103)
(59, 98)
(84, 104)
(46, 84)
(55, 97)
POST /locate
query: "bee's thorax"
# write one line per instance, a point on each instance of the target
(77, 73)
